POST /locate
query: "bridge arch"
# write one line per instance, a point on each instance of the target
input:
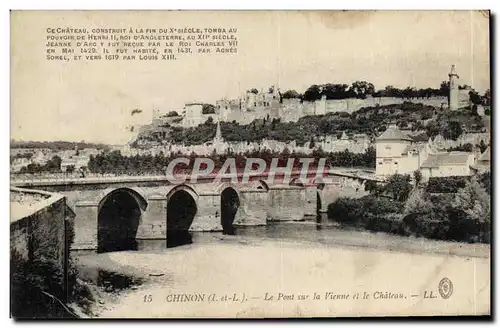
(319, 182)
(118, 216)
(182, 206)
(229, 205)
(222, 186)
(263, 185)
(319, 203)
(297, 182)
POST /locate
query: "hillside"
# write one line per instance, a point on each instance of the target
(369, 120)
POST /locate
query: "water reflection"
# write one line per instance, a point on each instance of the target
(178, 238)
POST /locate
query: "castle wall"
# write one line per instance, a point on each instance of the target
(293, 109)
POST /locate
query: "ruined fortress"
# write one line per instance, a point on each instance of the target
(270, 104)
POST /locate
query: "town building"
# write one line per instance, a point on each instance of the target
(397, 152)
(483, 162)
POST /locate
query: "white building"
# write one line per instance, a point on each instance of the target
(193, 115)
(399, 153)
(77, 162)
(447, 164)
(390, 147)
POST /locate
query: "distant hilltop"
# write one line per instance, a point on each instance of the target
(57, 145)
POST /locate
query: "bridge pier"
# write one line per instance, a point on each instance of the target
(253, 207)
(208, 216)
(86, 213)
(286, 203)
(153, 224)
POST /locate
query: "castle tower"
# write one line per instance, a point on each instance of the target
(453, 99)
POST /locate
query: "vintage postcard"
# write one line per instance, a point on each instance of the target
(250, 164)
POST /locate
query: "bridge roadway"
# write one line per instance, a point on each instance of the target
(32, 180)
(118, 212)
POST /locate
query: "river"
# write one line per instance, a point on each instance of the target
(281, 259)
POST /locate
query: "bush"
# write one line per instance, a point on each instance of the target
(446, 184)
(346, 210)
(32, 283)
(485, 180)
(390, 223)
(464, 216)
(381, 205)
(399, 186)
(368, 211)
(442, 218)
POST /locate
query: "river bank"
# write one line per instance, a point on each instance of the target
(249, 266)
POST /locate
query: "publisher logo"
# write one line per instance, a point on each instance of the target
(445, 288)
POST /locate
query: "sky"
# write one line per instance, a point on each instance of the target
(92, 101)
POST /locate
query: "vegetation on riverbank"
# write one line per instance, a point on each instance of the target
(115, 162)
(460, 211)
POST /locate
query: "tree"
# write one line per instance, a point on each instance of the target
(53, 165)
(254, 91)
(417, 203)
(453, 130)
(335, 91)
(70, 169)
(362, 88)
(417, 177)
(372, 187)
(487, 97)
(290, 94)
(172, 113)
(445, 88)
(208, 109)
(312, 144)
(474, 97)
(389, 91)
(474, 201)
(312, 93)
(399, 186)
(433, 128)
(482, 146)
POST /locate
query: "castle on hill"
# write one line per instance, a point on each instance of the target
(270, 104)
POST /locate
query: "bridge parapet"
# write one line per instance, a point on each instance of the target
(55, 180)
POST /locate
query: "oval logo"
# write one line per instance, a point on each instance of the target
(445, 288)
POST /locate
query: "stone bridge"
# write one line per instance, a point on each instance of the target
(117, 212)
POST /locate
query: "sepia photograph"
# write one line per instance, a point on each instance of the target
(250, 164)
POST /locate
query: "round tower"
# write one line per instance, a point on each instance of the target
(453, 99)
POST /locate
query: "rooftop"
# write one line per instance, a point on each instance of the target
(393, 133)
(453, 158)
(413, 148)
(485, 156)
